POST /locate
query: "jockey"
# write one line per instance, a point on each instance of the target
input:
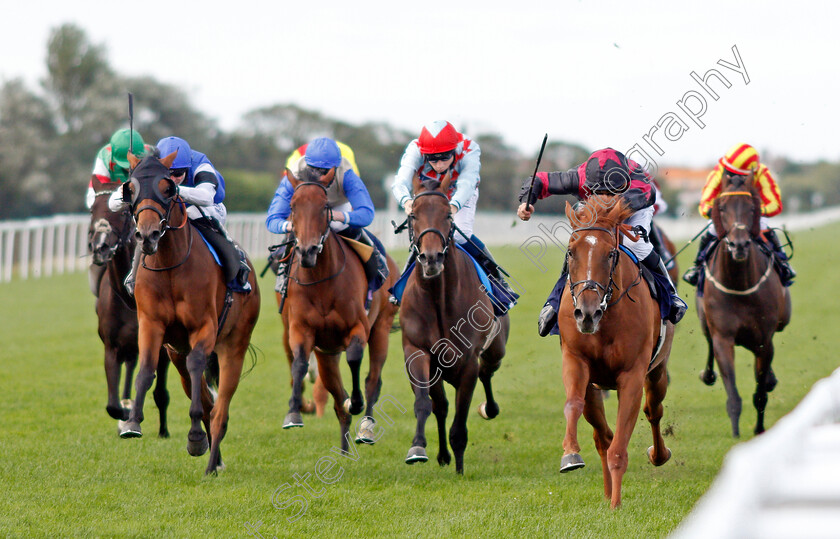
(605, 172)
(739, 162)
(439, 150)
(110, 168)
(347, 196)
(202, 188)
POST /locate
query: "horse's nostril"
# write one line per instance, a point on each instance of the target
(578, 314)
(597, 314)
(421, 258)
(155, 235)
(138, 236)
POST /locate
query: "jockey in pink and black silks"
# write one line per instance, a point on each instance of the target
(606, 171)
(440, 150)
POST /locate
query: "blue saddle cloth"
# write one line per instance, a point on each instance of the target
(501, 299)
(661, 291)
(233, 284)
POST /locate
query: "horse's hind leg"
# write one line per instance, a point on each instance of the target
(491, 359)
(378, 352)
(202, 345)
(230, 369)
(629, 402)
(593, 411)
(463, 398)
(440, 407)
(764, 379)
(656, 385)
(355, 353)
(724, 351)
(328, 370)
(707, 376)
(161, 394)
(112, 379)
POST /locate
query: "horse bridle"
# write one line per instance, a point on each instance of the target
(415, 241)
(169, 202)
(590, 284)
(122, 236)
(737, 225)
(327, 228)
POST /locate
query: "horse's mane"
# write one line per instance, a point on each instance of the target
(607, 211)
(309, 175)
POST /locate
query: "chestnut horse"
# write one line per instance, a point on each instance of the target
(609, 329)
(181, 302)
(111, 243)
(743, 301)
(447, 324)
(324, 310)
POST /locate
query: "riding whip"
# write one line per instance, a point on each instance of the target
(689, 243)
(539, 158)
(130, 121)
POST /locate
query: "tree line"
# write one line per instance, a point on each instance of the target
(49, 138)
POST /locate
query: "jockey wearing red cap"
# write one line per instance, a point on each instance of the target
(742, 160)
(605, 172)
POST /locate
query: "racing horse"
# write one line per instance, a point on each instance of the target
(447, 323)
(111, 243)
(612, 338)
(743, 301)
(325, 310)
(183, 302)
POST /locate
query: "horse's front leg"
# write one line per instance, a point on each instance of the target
(575, 380)
(629, 402)
(201, 346)
(112, 378)
(355, 352)
(593, 411)
(440, 407)
(764, 381)
(724, 349)
(149, 340)
(301, 344)
(161, 394)
(417, 366)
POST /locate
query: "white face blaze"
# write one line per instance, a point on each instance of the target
(593, 241)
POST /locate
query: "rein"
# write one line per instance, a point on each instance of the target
(589, 284)
(164, 222)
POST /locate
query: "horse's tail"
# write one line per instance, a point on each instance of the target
(211, 371)
(252, 353)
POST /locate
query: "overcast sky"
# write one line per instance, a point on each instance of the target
(596, 73)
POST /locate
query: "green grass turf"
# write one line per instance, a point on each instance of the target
(64, 471)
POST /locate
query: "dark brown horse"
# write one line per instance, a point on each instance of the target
(325, 311)
(447, 324)
(111, 243)
(181, 302)
(743, 301)
(609, 329)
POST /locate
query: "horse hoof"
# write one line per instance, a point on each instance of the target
(416, 454)
(196, 448)
(488, 412)
(570, 462)
(650, 456)
(708, 377)
(347, 405)
(292, 420)
(131, 429)
(444, 459)
(365, 433)
(481, 410)
(163, 434)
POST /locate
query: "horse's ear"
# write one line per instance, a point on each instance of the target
(570, 213)
(169, 159)
(446, 182)
(416, 183)
(328, 178)
(133, 160)
(291, 177)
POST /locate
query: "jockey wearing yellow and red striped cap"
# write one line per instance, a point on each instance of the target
(742, 160)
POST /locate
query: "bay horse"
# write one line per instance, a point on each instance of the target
(111, 243)
(609, 329)
(325, 312)
(447, 324)
(183, 302)
(743, 301)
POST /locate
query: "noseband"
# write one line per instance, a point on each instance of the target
(590, 284)
(122, 236)
(445, 238)
(737, 225)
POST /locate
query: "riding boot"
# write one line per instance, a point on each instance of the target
(132, 275)
(244, 271)
(659, 246)
(282, 264)
(678, 306)
(548, 315)
(482, 255)
(412, 257)
(241, 277)
(692, 275)
(376, 267)
(786, 272)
